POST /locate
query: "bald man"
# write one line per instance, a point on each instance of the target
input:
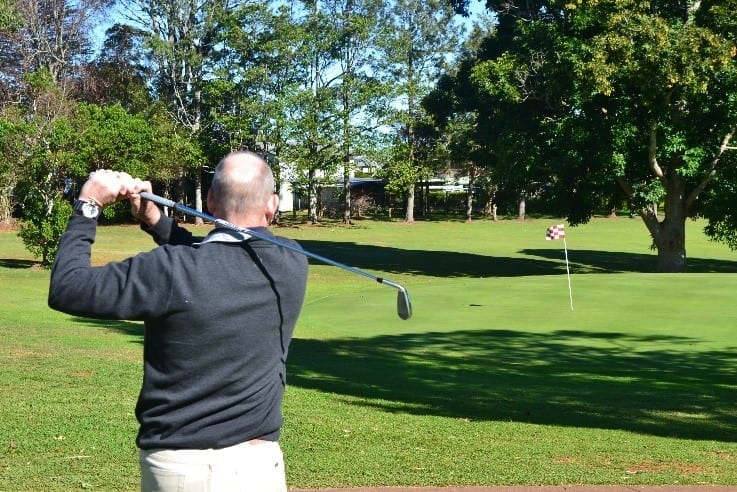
(219, 313)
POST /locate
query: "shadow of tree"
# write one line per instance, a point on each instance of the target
(458, 264)
(424, 262)
(566, 378)
(593, 261)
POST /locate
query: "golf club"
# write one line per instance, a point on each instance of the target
(404, 306)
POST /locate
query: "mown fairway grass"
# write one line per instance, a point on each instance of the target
(494, 380)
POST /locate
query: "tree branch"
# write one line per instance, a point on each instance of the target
(647, 213)
(694, 195)
(651, 152)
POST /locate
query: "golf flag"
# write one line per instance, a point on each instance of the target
(559, 232)
(555, 232)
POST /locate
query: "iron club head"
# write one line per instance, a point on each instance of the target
(404, 306)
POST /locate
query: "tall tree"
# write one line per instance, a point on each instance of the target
(638, 93)
(258, 72)
(42, 49)
(182, 37)
(51, 35)
(463, 128)
(119, 74)
(359, 93)
(284, 74)
(313, 112)
(419, 38)
(36, 138)
(235, 93)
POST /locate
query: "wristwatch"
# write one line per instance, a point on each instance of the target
(87, 208)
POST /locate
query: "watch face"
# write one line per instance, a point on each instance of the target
(90, 210)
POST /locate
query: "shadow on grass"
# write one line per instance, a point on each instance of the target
(423, 262)
(537, 262)
(129, 328)
(15, 263)
(565, 378)
(592, 261)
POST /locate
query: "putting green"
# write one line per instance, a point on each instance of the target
(676, 305)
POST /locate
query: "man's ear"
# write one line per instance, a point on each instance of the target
(210, 202)
(272, 206)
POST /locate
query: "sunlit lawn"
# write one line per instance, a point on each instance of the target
(494, 380)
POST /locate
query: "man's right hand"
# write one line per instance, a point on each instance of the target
(143, 210)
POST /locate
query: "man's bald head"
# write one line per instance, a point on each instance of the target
(242, 185)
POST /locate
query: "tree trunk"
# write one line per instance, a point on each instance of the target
(312, 198)
(469, 194)
(426, 191)
(346, 197)
(671, 244)
(198, 195)
(669, 235)
(489, 205)
(410, 215)
(522, 208)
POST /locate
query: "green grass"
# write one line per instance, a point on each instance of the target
(494, 380)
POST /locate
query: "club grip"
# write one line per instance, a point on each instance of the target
(157, 199)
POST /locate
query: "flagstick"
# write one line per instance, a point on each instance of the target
(568, 270)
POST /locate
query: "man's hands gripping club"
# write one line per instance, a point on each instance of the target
(106, 187)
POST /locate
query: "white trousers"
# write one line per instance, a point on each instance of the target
(254, 466)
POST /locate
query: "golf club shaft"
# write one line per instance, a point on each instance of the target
(403, 303)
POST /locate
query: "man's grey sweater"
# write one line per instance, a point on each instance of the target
(219, 316)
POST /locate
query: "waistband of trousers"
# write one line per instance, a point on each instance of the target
(197, 456)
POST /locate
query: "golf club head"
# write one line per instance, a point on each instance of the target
(404, 306)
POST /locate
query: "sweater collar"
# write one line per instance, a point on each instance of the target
(225, 235)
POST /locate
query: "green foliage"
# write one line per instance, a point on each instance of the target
(608, 98)
(9, 18)
(11, 147)
(498, 78)
(41, 228)
(41, 183)
(111, 138)
(174, 150)
(401, 173)
(718, 206)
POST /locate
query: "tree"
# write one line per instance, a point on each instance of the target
(51, 35)
(119, 74)
(359, 92)
(42, 46)
(419, 37)
(183, 39)
(257, 74)
(313, 130)
(57, 146)
(635, 93)
(237, 89)
(466, 152)
(41, 51)
(38, 142)
(284, 75)
(463, 128)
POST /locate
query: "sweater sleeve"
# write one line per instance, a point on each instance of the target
(133, 289)
(167, 231)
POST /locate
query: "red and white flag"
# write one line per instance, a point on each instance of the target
(559, 232)
(555, 232)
